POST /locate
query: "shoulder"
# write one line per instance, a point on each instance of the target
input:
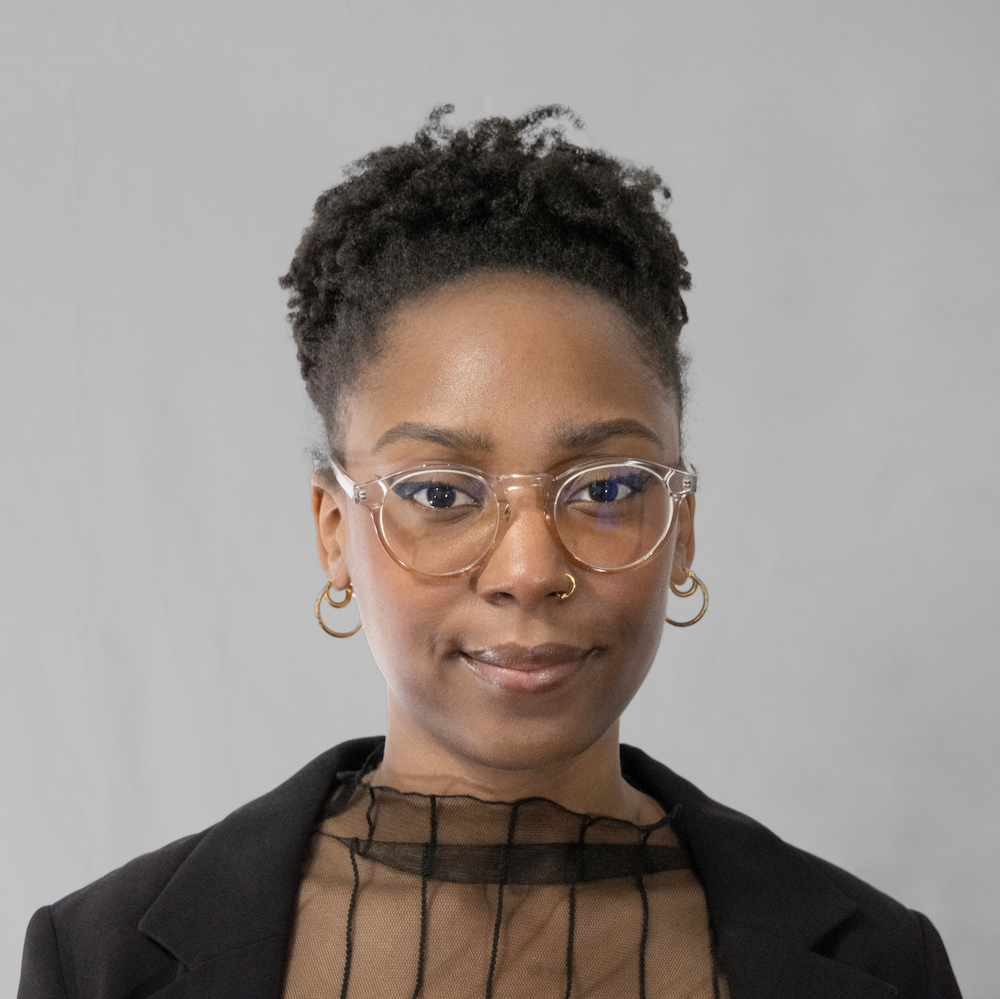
(775, 907)
(290, 805)
(885, 932)
(237, 876)
(873, 905)
(101, 917)
(131, 887)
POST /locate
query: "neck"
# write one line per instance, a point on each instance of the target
(589, 782)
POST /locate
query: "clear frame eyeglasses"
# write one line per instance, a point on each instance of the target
(443, 519)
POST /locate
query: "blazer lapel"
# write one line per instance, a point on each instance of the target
(758, 965)
(253, 971)
(227, 912)
(770, 904)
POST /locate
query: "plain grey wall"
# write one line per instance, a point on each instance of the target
(835, 172)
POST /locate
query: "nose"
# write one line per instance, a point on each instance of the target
(527, 566)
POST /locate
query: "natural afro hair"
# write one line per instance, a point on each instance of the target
(501, 195)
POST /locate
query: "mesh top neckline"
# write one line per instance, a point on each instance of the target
(425, 896)
(462, 838)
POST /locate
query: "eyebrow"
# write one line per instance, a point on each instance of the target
(458, 440)
(591, 434)
(567, 437)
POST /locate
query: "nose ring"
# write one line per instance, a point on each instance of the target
(563, 594)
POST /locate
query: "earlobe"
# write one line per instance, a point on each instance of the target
(331, 531)
(684, 545)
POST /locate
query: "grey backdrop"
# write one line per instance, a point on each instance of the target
(835, 170)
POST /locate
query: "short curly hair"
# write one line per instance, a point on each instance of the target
(503, 195)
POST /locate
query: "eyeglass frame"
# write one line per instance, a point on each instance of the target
(361, 493)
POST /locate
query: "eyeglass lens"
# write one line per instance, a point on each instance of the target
(442, 521)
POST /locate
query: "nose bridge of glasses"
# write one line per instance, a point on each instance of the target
(519, 488)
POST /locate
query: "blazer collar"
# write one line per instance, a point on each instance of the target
(770, 904)
(227, 912)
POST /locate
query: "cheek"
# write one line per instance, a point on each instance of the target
(633, 606)
(640, 594)
(638, 601)
(400, 613)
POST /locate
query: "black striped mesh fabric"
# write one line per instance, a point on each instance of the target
(451, 897)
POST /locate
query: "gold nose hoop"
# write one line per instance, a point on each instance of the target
(565, 594)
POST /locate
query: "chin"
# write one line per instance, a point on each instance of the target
(527, 744)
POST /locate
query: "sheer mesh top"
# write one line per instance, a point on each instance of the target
(449, 897)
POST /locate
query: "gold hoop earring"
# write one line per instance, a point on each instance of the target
(566, 594)
(696, 584)
(348, 593)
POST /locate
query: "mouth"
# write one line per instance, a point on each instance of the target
(524, 669)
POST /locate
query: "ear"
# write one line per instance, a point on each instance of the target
(684, 545)
(328, 503)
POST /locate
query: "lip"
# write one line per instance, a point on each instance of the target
(521, 668)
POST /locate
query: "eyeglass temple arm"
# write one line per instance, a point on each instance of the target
(682, 481)
(344, 480)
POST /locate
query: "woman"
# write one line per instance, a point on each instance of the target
(488, 324)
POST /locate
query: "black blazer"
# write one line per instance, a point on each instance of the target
(208, 917)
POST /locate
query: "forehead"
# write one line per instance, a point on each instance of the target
(512, 360)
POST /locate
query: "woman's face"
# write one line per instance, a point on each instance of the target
(507, 373)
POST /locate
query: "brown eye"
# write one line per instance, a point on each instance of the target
(610, 489)
(435, 494)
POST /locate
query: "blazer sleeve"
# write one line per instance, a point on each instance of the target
(941, 983)
(41, 967)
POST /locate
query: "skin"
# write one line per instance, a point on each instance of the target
(509, 365)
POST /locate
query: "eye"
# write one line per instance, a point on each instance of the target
(608, 490)
(435, 495)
